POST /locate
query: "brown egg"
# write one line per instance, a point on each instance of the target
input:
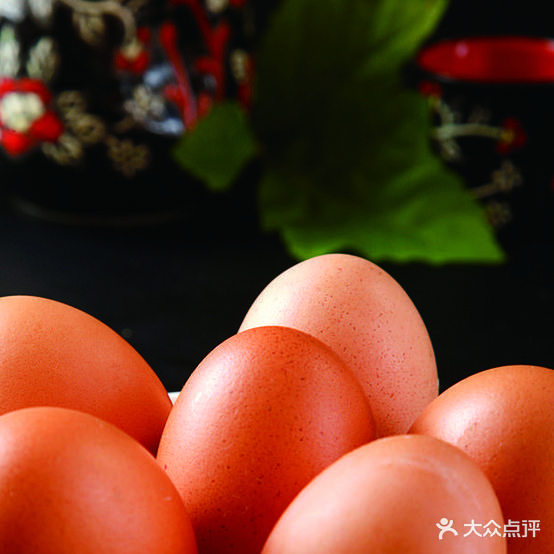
(405, 494)
(361, 312)
(504, 419)
(52, 354)
(71, 483)
(262, 414)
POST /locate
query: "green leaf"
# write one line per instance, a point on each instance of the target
(313, 50)
(421, 216)
(398, 27)
(347, 145)
(219, 147)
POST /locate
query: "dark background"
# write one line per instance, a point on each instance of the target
(177, 289)
(481, 17)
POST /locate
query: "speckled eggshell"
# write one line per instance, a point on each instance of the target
(394, 495)
(53, 354)
(504, 419)
(263, 413)
(72, 483)
(361, 312)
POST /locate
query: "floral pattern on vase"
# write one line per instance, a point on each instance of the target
(108, 87)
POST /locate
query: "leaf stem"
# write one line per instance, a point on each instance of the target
(451, 130)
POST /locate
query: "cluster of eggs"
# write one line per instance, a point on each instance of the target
(317, 428)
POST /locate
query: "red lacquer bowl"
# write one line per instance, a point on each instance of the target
(491, 59)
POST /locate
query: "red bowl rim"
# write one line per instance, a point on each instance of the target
(490, 59)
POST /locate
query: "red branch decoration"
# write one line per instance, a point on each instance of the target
(181, 94)
(216, 40)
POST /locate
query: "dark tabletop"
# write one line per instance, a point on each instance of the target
(177, 289)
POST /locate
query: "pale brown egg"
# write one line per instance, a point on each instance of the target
(504, 419)
(71, 483)
(361, 312)
(52, 354)
(405, 494)
(262, 414)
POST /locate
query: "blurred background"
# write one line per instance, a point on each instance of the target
(494, 17)
(176, 279)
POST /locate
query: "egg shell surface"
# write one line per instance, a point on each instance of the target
(360, 311)
(504, 419)
(71, 483)
(52, 354)
(393, 495)
(262, 414)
